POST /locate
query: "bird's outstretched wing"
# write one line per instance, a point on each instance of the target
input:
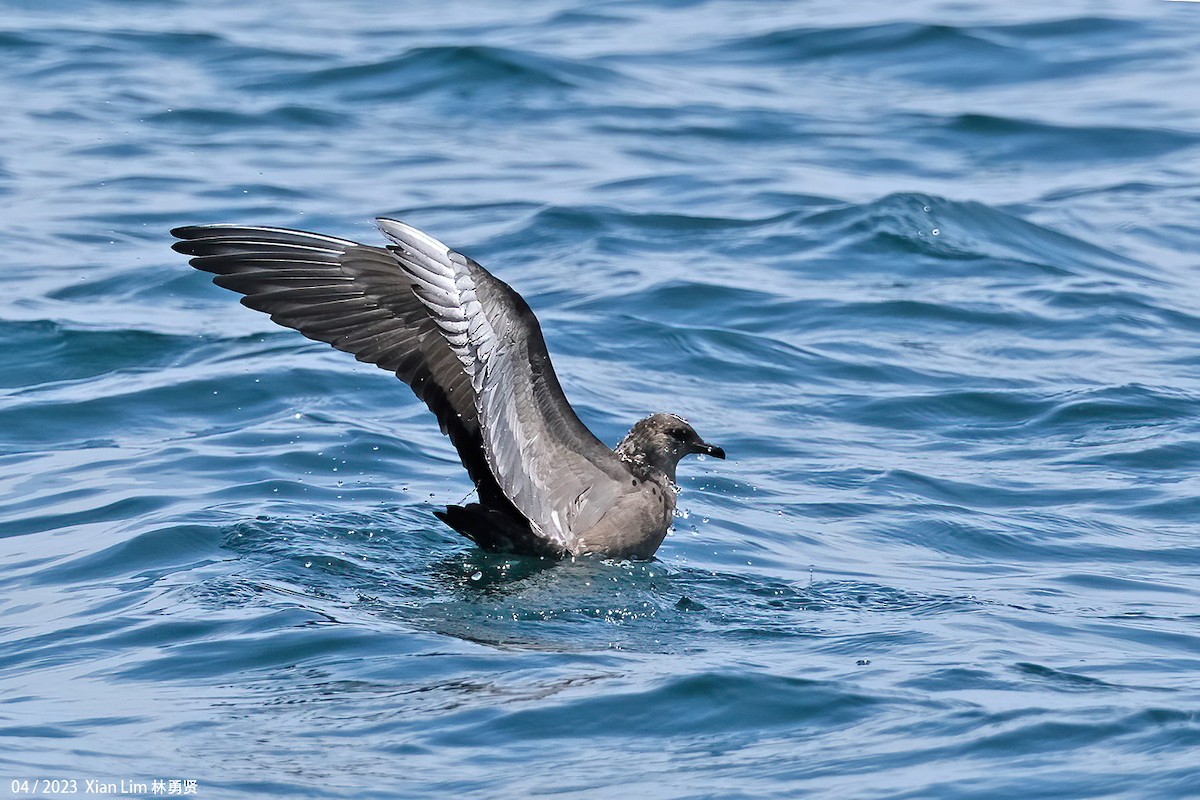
(358, 299)
(546, 461)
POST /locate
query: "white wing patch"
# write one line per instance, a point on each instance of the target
(444, 287)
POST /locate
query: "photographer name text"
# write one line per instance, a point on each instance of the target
(125, 787)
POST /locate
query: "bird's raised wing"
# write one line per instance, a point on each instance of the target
(358, 299)
(544, 458)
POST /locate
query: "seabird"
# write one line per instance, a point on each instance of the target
(471, 348)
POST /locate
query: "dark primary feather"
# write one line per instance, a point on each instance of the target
(356, 298)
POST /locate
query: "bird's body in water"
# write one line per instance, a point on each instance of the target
(471, 348)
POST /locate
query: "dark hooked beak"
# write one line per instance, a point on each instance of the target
(710, 450)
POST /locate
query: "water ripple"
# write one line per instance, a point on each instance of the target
(928, 276)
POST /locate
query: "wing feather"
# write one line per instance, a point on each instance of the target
(358, 299)
(542, 456)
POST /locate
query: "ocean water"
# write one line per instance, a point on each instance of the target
(928, 271)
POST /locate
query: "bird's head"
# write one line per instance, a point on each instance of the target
(660, 440)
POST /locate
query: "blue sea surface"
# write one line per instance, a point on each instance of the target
(929, 272)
